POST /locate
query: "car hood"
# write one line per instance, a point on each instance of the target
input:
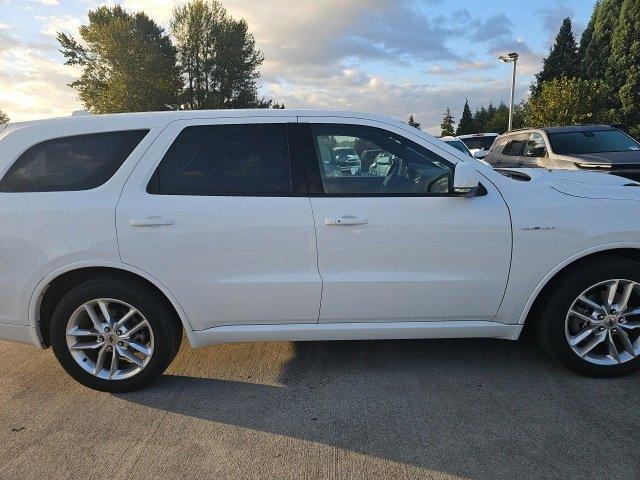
(585, 184)
(631, 157)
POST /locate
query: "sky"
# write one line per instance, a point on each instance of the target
(388, 57)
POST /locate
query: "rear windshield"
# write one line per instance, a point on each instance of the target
(483, 143)
(594, 141)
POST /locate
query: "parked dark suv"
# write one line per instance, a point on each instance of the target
(585, 147)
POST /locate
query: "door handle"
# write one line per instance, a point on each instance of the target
(150, 222)
(345, 221)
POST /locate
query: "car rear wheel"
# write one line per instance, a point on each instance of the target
(590, 320)
(114, 336)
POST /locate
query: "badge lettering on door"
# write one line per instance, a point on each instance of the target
(536, 228)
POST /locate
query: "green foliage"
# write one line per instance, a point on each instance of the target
(496, 119)
(623, 74)
(568, 101)
(128, 63)
(217, 56)
(3, 117)
(466, 125)
(595, 48)
(447, 125)
(413, 123)
(563, 58)
(278, 106)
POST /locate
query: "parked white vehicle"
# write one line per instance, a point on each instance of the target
(478, 144)
(121, 231)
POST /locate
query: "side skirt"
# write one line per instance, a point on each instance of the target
(354, 331)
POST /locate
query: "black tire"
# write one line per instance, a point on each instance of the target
(551, 314)
(166, 327)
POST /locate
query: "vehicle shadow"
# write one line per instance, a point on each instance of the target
(472, 408)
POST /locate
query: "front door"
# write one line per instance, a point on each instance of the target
(211, 212)
(393, 243)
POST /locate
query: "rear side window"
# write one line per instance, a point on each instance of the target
(515, 147)
(250, 159)
(81, 162)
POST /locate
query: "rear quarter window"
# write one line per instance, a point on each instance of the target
(80, 162)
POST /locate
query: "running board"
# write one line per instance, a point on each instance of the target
(301, 332)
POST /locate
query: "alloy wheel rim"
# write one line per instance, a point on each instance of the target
(109, 339)
(603, 324)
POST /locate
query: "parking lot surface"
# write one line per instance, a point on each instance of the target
(470, 409)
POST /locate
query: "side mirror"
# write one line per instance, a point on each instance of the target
(465, 180)
(480, 154)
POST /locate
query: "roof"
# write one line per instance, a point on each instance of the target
(474, 135)
(577, 128)
(162, 118)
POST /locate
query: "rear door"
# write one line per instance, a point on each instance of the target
(215, 213)
(394, 244)
(512, 154)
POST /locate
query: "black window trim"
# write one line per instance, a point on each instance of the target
(296, 167)
(314, 177)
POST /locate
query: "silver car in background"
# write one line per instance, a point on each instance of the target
(599, 148)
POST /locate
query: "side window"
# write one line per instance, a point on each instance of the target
(498, 144)
(80, 162)
(535, 146)
(515, 147)
(251, 159)
(399, 166)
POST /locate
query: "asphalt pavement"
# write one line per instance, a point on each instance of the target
(447, 409)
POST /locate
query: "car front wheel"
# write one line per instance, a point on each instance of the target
(590, 320)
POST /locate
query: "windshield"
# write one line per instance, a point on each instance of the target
(459, 145)
(477, 143)
(595, 141)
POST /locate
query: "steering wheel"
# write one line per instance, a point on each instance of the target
(394, 171)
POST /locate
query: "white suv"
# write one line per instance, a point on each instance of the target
(119, 232)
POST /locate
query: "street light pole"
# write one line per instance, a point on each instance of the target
(511, 58)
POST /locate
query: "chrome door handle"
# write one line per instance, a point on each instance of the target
(345, 221)
(150, 222)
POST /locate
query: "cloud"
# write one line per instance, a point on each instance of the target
(49, 2)
(53, 24)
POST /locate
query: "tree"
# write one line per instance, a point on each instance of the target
(595, 49)
(217, 56)
(466, 125)
(128, 62)
(568, 101)
(562, 60)
(278, 106)
(447, 124)
(413, 123)
(623, 74)
(3, 117)
(481, 117)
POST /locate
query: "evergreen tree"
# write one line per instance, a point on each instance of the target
(562, 60)
(585, 40)
(218, 57)
(128, 63)
(481, 118)
(596, 47)
(278, 106)
(3, 117)
(447, 125)
(466, 126)
(623, 74)
(413, 123)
